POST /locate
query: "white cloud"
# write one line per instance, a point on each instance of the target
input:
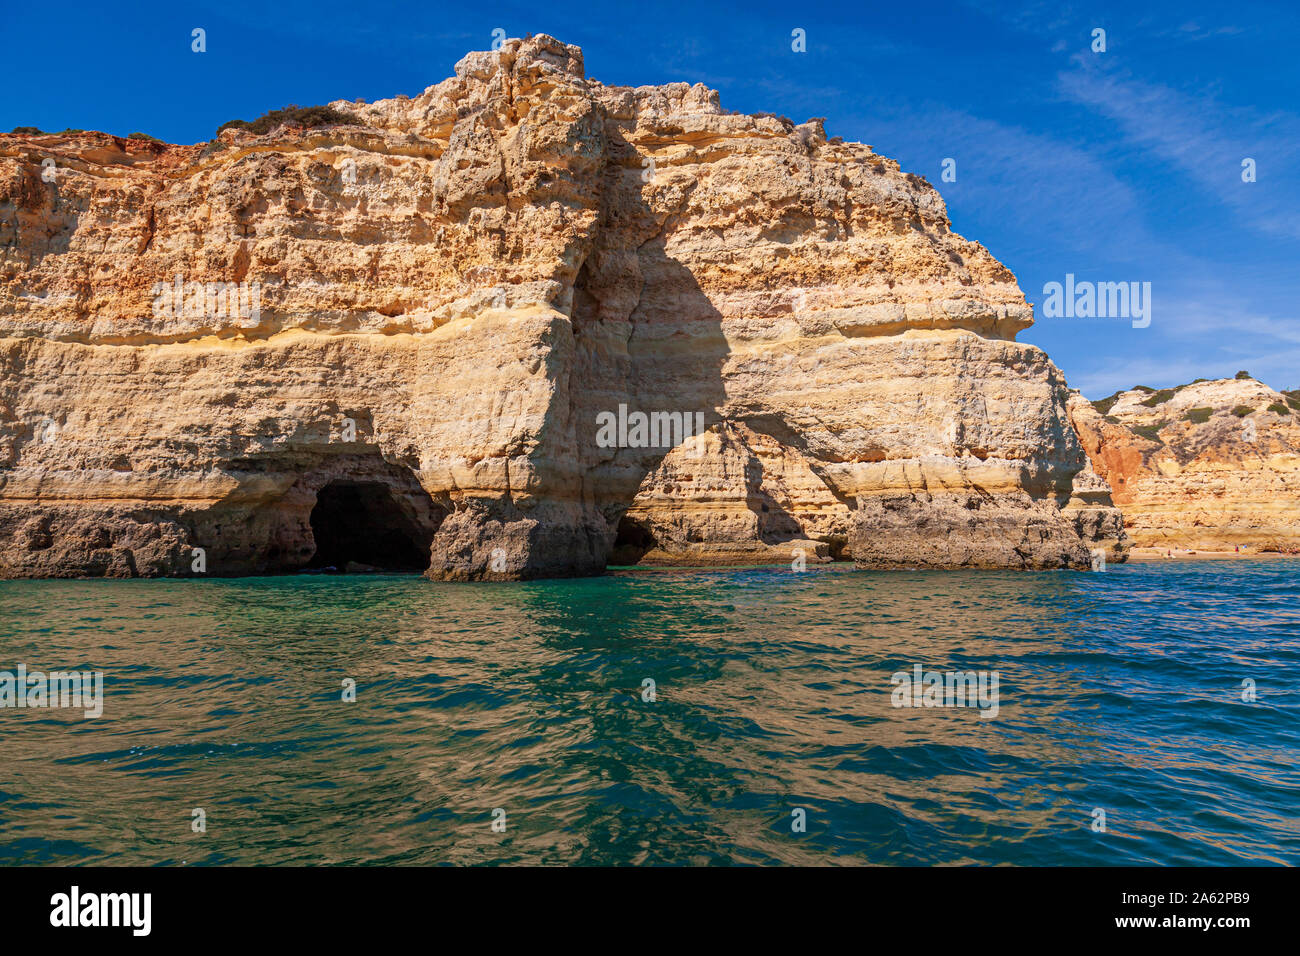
(1049, 189)
(1204, 139)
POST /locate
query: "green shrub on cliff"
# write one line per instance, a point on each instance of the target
(783, 120)
(1149, 432)
(28, 130)
(1277, 408)
(1241, 411)
(1158, 398)
(1198, 416)
(308, 117)
(1103, 405)
(1242, 374)
(144, 136)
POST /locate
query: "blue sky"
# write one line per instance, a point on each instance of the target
(1115, 166)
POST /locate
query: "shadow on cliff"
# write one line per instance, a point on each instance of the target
(647, 337)
(775, 524)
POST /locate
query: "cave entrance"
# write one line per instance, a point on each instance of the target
(360, 522)
(633, 541)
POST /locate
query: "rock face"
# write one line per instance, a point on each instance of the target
(732, 496)
(1210, 466)
(245, 356)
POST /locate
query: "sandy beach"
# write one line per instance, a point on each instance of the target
(1199, 554)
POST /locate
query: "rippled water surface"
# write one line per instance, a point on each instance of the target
(1120, 691)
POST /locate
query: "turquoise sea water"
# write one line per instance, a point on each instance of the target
(1119, 691)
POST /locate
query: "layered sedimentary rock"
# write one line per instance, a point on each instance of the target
(732, 496)
(213, 357)
(1213, 465)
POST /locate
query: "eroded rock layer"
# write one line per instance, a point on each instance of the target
(1213, 465)
(441, 306)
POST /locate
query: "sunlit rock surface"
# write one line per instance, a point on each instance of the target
(1214, 465)
(452, 292)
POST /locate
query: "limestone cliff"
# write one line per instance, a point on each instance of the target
(416, 329)
(1211, 465)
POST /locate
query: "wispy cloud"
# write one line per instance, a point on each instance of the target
(1212, 334)
(1050, 190)
(1163, 370)
(1204, 139)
